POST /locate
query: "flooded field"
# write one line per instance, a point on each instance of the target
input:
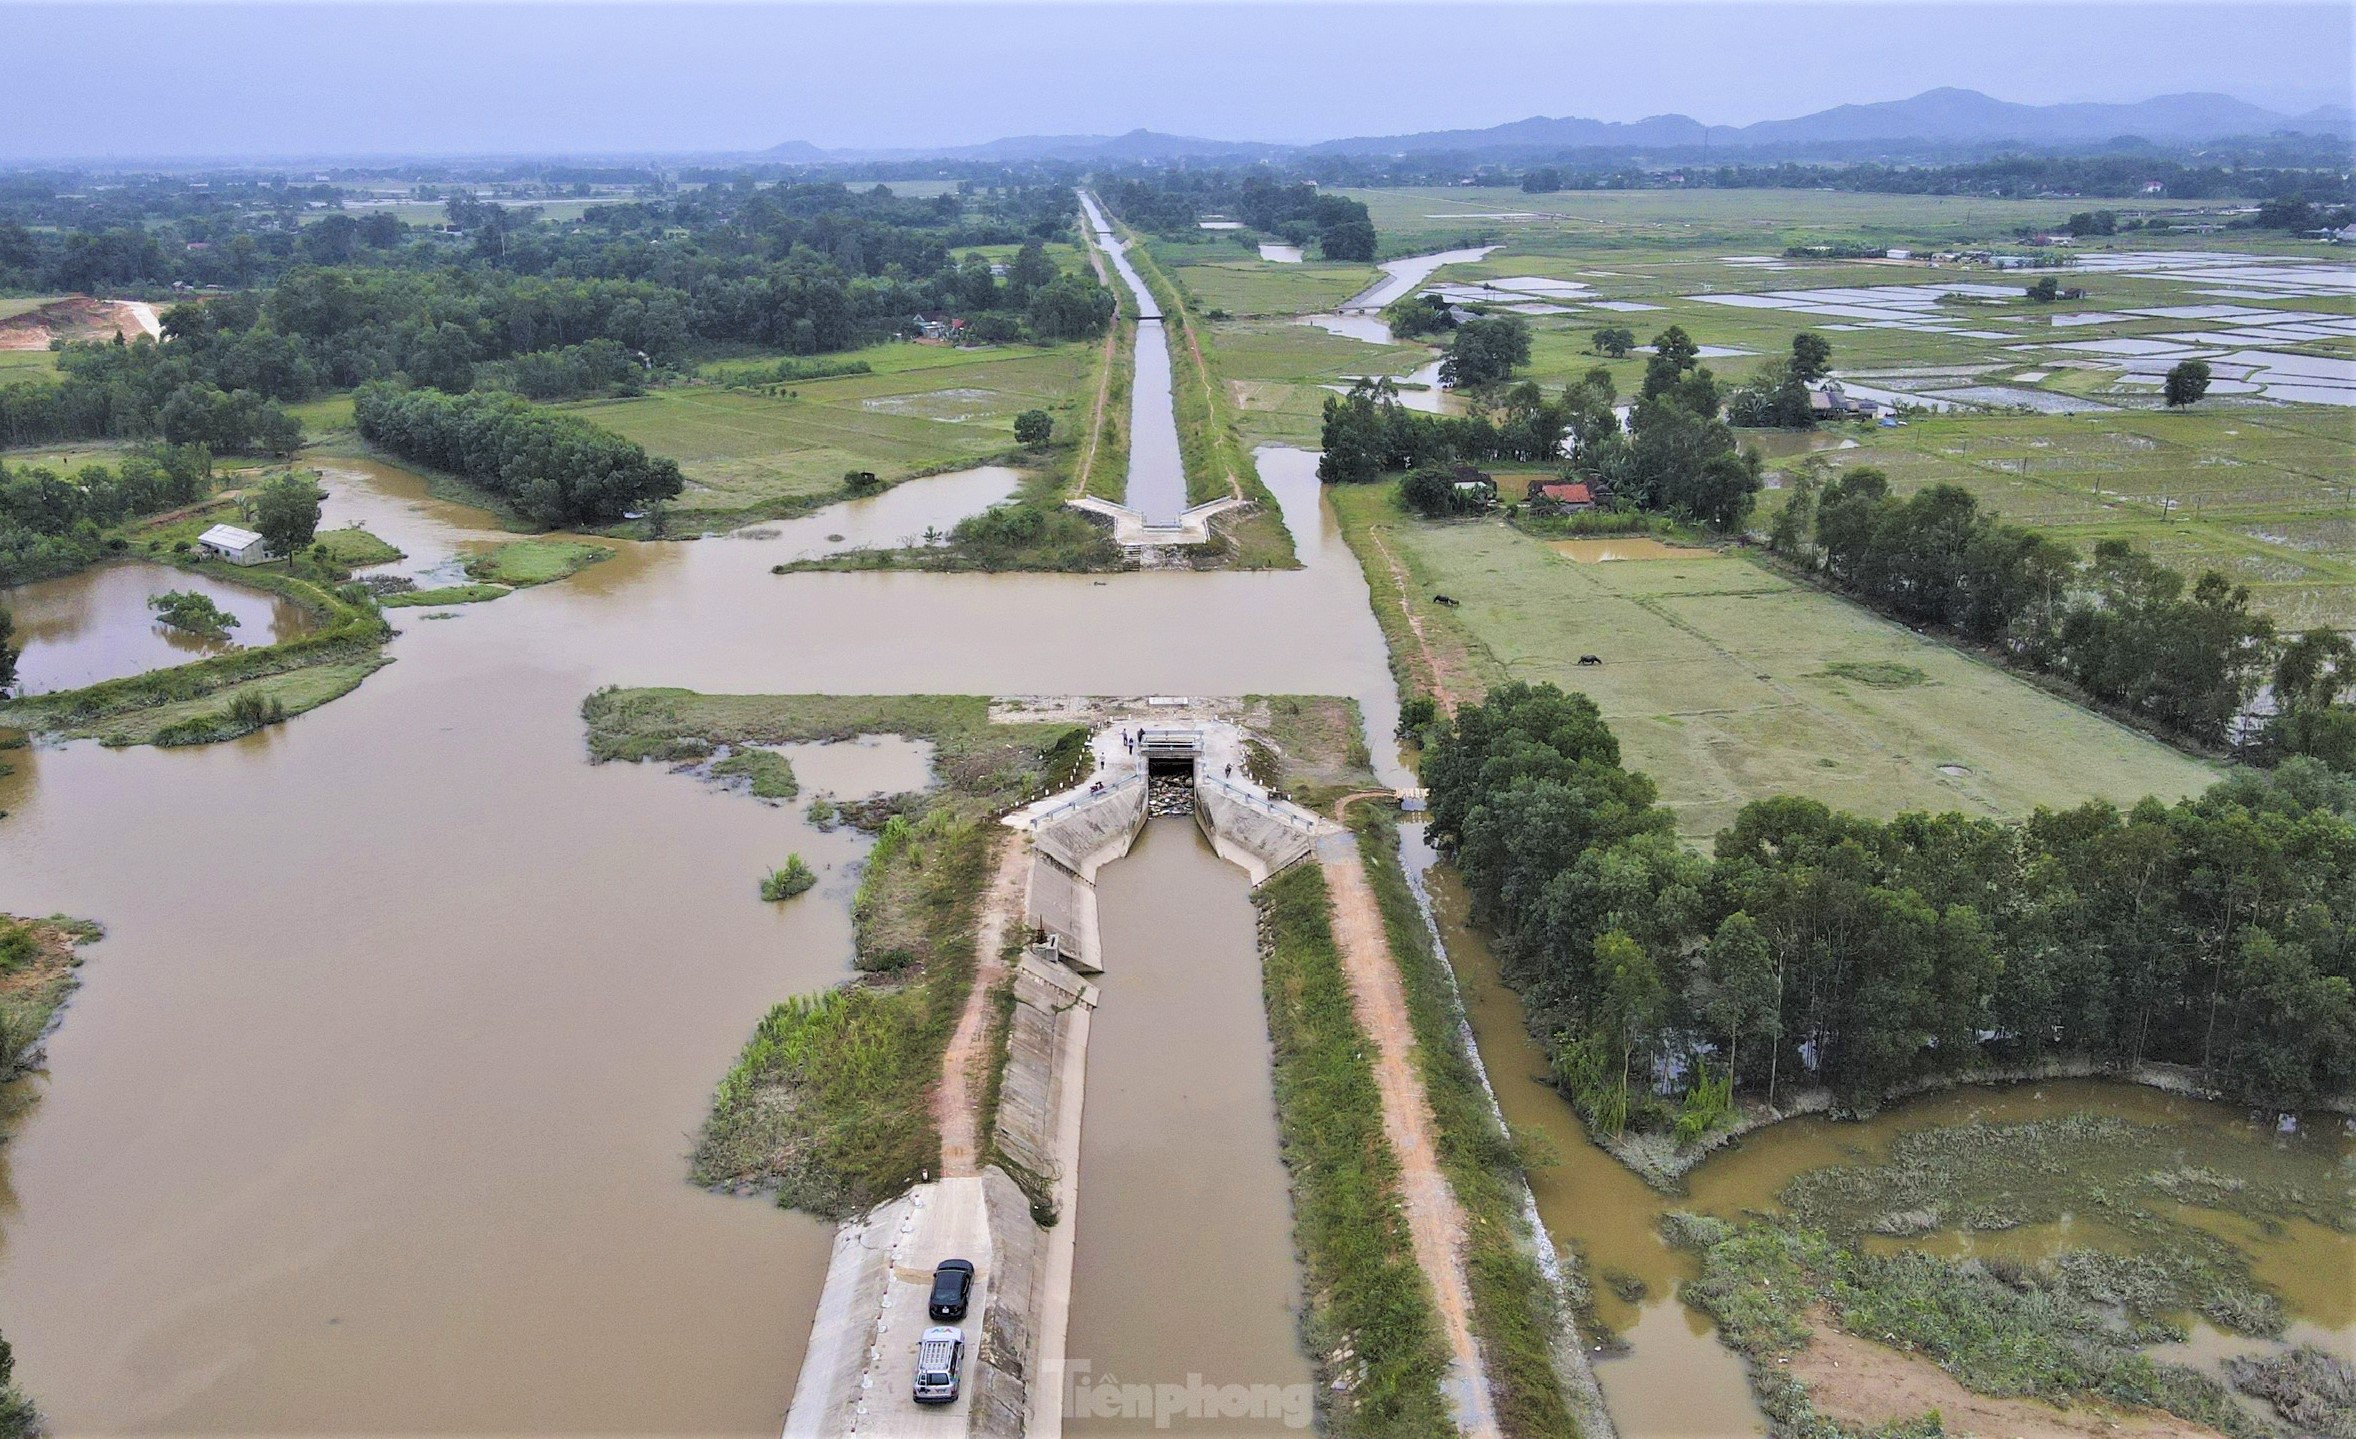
(1626, 547)
(1185, 1262)
(1674, 1380)
(95, 625)
(372, 1113)
(1402, 276)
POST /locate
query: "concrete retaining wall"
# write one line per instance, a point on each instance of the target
(1260, 836)
(1005, 1357)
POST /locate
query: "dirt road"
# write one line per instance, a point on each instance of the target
(957, 1100)
(1435, 1221)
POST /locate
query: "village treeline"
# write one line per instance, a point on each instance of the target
(497, 298)
(1174, 204)
(1817, 948)
(556, 468)
(1676, 453)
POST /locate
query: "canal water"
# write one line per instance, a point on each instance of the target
(96, 625)
(1157, 469)
(1183, 1272)
(371, 1115)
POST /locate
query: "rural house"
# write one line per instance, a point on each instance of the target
(238, 547)
(1568, 495)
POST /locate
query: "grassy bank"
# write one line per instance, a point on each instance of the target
(827, 1102)
(226, 695)
(37, 962)
(1369, 1321)
(1516, 1311)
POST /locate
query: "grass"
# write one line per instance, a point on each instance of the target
(1278, 371)
(517, 563)
(2135, 1186)
(827, 1102)
(924, 409)
(445, 595)
(766, 774)
(354, 548)
(1718, 676)
(1369, 1319)
(787, 880)
(1225, 276)
(1516, 1311)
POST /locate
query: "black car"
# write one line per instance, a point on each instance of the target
(952, 1286)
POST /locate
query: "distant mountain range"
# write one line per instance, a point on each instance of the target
(1943, 119)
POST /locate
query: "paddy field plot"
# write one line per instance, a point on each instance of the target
(1728, 683)
(2265, 495)
(746, 451)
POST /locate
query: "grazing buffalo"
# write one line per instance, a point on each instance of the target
(1591, 659)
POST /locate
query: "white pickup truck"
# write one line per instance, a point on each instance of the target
(939, 1356)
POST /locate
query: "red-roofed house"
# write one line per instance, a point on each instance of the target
(1570, 496)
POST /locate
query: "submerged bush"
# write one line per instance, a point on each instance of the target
(785, 882)
(195, 613)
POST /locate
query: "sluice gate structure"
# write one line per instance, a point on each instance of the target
(1020, 1228)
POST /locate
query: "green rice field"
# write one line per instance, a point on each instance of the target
(1728, 683)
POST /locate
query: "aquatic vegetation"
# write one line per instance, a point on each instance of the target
(193, 612)
(787, 880)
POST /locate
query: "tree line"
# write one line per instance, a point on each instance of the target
(53, 523)
(139, 390)
(2126, 629)
(1869, 957)
(621, 303)
(557, 468)
(1172, 203)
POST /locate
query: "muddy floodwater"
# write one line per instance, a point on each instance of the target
(1401, 276)
(372, 1113)
(1625, 547)
(1674, 1380)
(95, 625)
(1184, 1261)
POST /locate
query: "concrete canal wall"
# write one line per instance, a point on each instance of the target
(856, 1372)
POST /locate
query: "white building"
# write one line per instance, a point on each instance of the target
(238, 547)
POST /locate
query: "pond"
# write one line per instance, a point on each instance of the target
(1612, 548)
(96, 625)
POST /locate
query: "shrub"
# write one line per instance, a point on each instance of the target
(784, 883)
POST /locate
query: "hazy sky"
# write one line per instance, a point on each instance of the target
(344, 79)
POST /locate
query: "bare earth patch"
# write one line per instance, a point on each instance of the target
(957, 1100)
(78, 317)
(1865, 1384)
